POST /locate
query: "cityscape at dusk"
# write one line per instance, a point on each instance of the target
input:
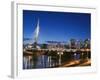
(56, 39)
(59, 26)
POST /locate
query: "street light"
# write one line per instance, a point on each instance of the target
(60, 53)
(87, 53)
(75, 54)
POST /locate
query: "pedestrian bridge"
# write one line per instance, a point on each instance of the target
(58, 50)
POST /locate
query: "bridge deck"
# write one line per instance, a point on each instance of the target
(30, 51)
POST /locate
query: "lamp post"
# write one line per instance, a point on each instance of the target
(87, 54)
(75, 54)
(60, 53)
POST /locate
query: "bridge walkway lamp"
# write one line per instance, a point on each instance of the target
(75, 54)
(60, 54)
(87, 54)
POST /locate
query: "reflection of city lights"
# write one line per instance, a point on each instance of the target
(61, 53)
(75, 54)
(82, 50)
(87, 49)
(58, 53)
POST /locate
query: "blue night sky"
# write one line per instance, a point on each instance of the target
(56, 26)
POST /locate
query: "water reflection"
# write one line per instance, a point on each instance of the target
(50, 61)
(42, 61)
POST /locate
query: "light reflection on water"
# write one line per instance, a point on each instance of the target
(43, 61)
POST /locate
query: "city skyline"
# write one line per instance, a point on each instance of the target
(57, 26)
